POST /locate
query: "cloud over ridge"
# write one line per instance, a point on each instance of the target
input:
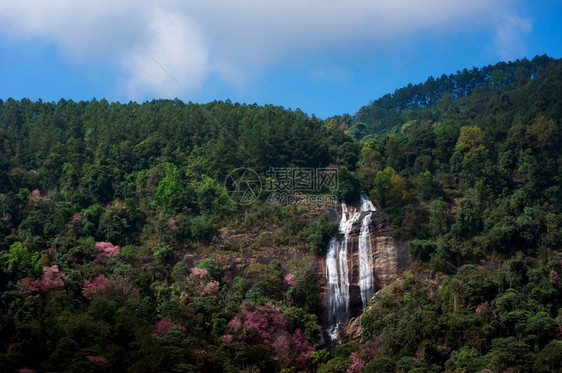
(231, 40)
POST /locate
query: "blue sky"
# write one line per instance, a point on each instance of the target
(325, 57)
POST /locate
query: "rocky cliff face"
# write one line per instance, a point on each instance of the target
(238, 251)
(390, 259)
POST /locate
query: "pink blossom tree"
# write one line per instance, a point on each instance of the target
(172, 224)
(199, 282)
(198, 272)
(370, 350)
(104, 251)
(258, 324)
(52, 279)
(356, 364)
(301, 349)
(75, 222)
(281, 347)
(95, 287)
(266, 325)
(98, 359)
(35, 197)
(228, 340)
(290, 280)
(554, 277)
(163, 325)
(483, 310)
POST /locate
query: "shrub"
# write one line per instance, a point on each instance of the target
(319, 233)
(201, 227)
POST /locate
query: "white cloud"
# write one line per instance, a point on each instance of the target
(509, 36)
(233, 39)
(173, 46)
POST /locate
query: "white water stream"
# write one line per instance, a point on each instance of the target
(337, 265)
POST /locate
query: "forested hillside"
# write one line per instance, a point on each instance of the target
(101, 202)
(475, 183)
(389, 112)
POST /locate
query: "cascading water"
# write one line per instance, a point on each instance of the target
(366, 278)
(366, 204)
(337, 273)
(337, 266)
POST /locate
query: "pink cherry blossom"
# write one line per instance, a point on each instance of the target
(95, 287)
(172, 224)
(198, 282)
(259, 323)
(356, 364)
(199, 272)
(51, 279)
(104, 251)
(99, 359)
(290, 280)
(301, 348)
(555, 279)
(282, 347)
(266, 325)
(211, 288)
(228, 340)
(163, 325)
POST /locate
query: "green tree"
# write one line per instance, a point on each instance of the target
(381, 187)
(348, 187)
(543, 133)
(471, 146)
(17, 259)
(170, 189)
(213, 267)
(319, 233)
(421, 250)
(380, 365)
(200, 227)
(508, 353)
(549, 359)
(439, 217)
(467, 222)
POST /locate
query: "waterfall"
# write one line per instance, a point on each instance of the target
(338, 260)
(366, 278)
(366, 204)
(348, 270)
(337, 273)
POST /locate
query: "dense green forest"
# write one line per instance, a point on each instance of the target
(391, 111)
(100, 204)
